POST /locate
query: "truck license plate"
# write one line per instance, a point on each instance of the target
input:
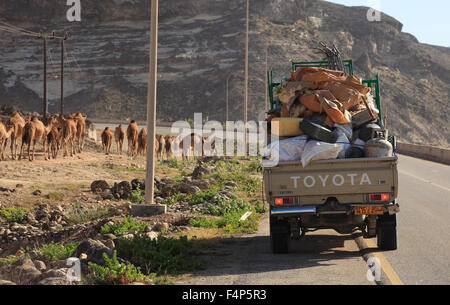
(369, 210)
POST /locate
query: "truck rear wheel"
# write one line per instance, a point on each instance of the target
(279, 236)
(387, 232)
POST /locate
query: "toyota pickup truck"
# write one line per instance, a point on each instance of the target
(346, 195)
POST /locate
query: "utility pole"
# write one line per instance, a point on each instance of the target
(151, 112)
(62, 74)
(45, 78)
(246, 81)
(227, 100)
(44, 38)
(266, 78)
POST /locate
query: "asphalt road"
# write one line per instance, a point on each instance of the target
(325, 257)
(423, 224)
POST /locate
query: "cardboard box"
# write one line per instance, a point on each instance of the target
(287, 127)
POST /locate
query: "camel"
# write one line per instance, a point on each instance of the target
(209, 146)
(107, 137)
(81, 130)
(161, 148)
(19, 123)
(142, 142)
(53, 139)
(119, 136)
(5, 133)
(168, 148)
(156, 145)
(69, 132)
(35, 131)
(132, 136)
(194, 144)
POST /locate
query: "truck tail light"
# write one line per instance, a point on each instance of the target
(378, 197)
(285, 200)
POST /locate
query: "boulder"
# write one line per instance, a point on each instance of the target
(54, 281)
(23, 272)
(121, 190)
(99, 186)
(40, 265)
(94, 250)
(138, 182)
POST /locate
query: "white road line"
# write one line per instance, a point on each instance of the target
(426, 181)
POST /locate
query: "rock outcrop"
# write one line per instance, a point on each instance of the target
(201, 43)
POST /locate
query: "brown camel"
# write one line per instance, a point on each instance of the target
(132, 136)
(142, 142)
(168, 148)
(19, 123)
(156, 145)
(107, 137)
(81, 130)
(161, 148)
(5, 133)
(53, 141)
(35, 131)
(195, 147)
(119, 136)
(69, 132)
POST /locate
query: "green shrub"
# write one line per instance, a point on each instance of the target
(55, 252)
(128, 225)
(227, 206)
(174, 198)
(115, 273)
(14, 214)
(137, 196)
(229, 222)
(82, 216)
(230, 212)
(55, 196)
(165, 255)
(202, 197)
(9, 260)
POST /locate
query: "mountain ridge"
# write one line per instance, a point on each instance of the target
(201, 43)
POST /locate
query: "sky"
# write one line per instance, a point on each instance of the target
(427, 20)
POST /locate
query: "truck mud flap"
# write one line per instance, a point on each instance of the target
(279, 226)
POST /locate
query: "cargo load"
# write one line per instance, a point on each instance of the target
(317, 101)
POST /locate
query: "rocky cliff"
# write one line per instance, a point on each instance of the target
(201, 43)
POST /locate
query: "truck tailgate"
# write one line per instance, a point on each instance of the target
(348, 180)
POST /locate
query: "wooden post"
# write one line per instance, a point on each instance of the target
(266, 78)
(227, 100)
(151, 112)
(62, 76)
(246, 81)
(45, 78)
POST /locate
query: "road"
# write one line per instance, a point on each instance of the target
(325, 257)
(423, 255)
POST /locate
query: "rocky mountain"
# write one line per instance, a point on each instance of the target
(201, 44)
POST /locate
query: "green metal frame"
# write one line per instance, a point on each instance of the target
(374, 84)
(321, 64)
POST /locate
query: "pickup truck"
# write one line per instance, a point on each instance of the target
(346, 195)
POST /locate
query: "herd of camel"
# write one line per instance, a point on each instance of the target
(58, 133)
(165, 146)
(61, 131)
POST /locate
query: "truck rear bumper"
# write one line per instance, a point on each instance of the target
(293, 211)
(390, 209)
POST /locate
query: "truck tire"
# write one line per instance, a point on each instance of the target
(387, 232)
(279, 236)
